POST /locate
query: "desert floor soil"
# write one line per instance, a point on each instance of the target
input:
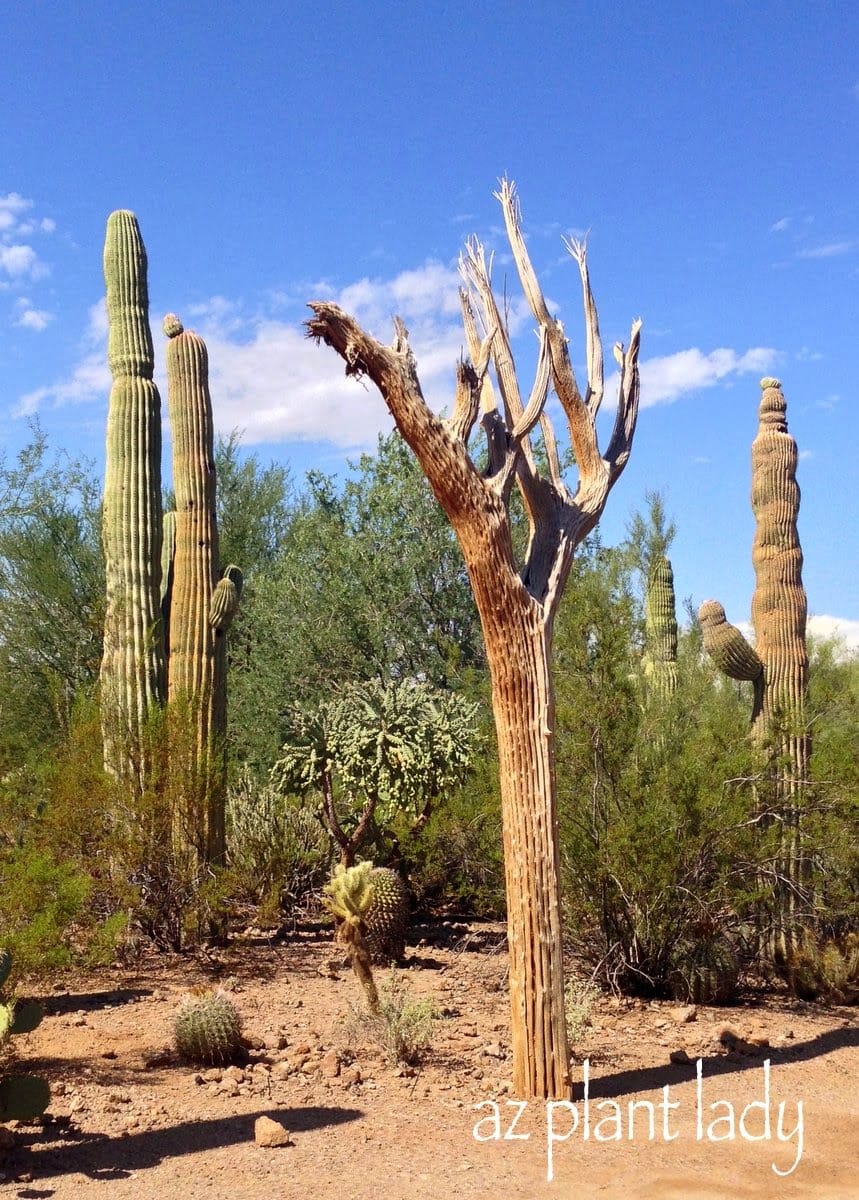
(129, 1119)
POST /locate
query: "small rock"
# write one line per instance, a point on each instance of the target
(212, 1075)
(350, 1075)
(274, 1041)
(269, 1133)
(493, 1050)
(235, 1073)
(281, 1071)
(684, 1014)
(330, 1065)
(109, 1054)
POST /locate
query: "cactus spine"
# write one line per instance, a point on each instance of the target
(349, 896)
(132, 670)
(660, 664)
(779, 663)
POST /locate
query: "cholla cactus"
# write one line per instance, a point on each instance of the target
(660, 664)
(348, 897)
(132, 669)
(208, 1028)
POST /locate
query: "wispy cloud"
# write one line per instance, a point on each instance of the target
(830, 249)
(669, 377)
(268, 380)
(780, 225)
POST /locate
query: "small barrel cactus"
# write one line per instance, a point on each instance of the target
(208, 1029)
(386, 921)
(706, 971)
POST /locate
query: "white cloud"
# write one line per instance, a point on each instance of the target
(830, 249)
(843, 628)
(32, 318)
(11, 207)
(20, 261)
(668, 377)
(270, 381)
(780, 226)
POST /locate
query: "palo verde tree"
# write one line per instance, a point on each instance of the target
(517, 602)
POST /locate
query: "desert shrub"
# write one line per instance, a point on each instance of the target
(278, 851)
(580, 998)
(454, 860)
(404, 1025)
(656, 838)
(826, 969)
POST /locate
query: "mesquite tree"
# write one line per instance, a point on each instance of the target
(517, 602)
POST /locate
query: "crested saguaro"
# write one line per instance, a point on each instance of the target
(517, 603)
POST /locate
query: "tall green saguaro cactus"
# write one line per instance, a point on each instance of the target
(196, 672)
(132, 670)
(778, 665)
(660, 617)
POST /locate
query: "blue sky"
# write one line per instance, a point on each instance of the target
(276, 153)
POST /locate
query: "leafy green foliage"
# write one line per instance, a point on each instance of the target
(368, 583)
(378, 751)
(51, 597)
(632, 776)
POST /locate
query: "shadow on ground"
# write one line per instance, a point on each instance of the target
(100, 1157)
(643, 1079)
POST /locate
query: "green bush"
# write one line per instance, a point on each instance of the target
(278, 851)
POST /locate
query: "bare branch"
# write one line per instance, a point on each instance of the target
(579, 419)
(469, 383)
(539, 392)
(451, 473)
(594, 394)
(627, 403)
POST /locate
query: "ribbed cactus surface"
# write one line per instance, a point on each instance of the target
(661, 628)
(197, 664)
(132, 671)
(208, 1029)
(779, 663)
(386, 921)
(779, 606)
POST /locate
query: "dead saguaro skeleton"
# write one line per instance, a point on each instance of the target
(517, 603)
